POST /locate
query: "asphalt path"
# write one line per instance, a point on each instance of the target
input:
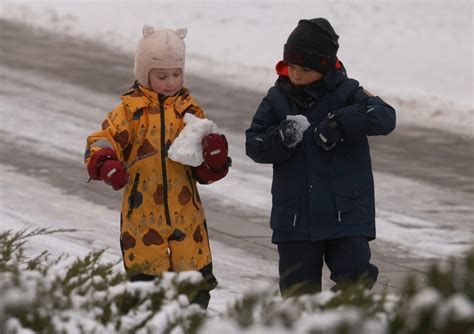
(433, 157)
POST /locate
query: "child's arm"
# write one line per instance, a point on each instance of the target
(367, 115)
(106, 150)
(263, 140)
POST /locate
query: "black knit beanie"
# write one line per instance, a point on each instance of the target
(312, 44)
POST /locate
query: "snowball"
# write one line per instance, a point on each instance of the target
(301, 121)
(187, 147)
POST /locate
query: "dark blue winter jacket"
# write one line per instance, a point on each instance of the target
(318, 194)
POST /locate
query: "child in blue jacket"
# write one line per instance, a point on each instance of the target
(313, 127)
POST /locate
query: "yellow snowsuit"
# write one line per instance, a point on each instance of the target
(163, 227)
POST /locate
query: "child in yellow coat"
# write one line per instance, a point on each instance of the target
(163, 227)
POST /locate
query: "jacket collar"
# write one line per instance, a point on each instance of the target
(334, 76)
(304, 96)
(331, 79)
(139, 97)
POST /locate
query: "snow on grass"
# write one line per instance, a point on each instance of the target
(85, 294)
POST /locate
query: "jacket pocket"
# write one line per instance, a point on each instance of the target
(136, 198)
(285, 216)
(194, 194)
(352, 202)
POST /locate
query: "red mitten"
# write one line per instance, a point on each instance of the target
(104, 165)
(113, 172)
(216, 163)
(205, 175)
(97, 160)
(215, 151)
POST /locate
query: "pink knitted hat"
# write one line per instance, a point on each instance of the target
(158, 48)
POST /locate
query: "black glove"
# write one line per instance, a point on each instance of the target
(327, 133)
(289, 133)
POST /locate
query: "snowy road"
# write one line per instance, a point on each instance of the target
(55, 91)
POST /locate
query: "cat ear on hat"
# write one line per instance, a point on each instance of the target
(182, 32)
(147, 30)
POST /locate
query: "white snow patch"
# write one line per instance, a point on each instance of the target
(457, 307)
(187, 147)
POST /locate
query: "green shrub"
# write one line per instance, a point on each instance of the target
(85, 295)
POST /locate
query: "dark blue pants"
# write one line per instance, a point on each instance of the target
(301, 264)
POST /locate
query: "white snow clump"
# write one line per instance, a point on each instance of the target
(302, 121)
(187, 148)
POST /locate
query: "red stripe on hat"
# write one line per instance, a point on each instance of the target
(282, 68)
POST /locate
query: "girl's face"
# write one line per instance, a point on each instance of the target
(166, 81)
(301, 76)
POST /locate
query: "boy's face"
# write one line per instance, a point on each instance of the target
(166, 81)
(301, 76)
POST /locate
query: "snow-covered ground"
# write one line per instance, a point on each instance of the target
(59, 134)
(417, 53)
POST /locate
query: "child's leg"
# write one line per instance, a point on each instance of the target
(192, 252)
(203, 297)
(147, 256)
(300, 267)
(141, 277)
(141, 269)
(348, 260)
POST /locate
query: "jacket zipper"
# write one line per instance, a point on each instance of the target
(163, 162)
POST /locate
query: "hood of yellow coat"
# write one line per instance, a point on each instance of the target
(139, 97)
